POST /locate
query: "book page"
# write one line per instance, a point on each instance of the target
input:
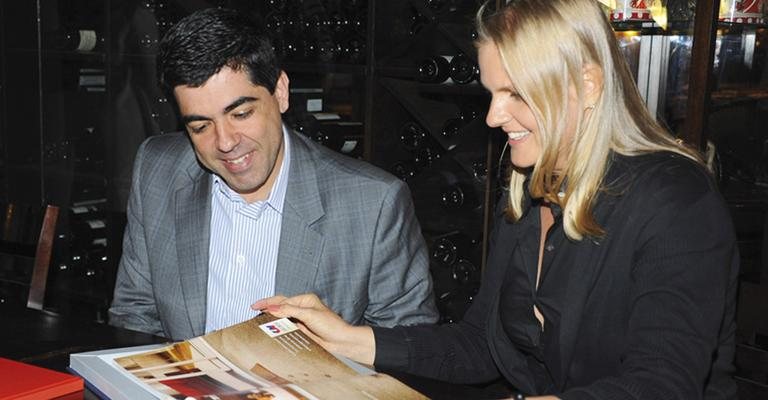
(263, 358)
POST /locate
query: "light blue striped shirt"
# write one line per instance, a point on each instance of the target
(243, 249)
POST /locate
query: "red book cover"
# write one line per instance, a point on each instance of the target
(20, 381)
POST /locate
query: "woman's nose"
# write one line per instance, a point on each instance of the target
(496, 116)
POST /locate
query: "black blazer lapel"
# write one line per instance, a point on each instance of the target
(583, 278)
(510, 362)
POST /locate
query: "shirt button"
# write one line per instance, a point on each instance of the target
(240, 259)
(549, 247)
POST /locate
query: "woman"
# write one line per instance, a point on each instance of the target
(612, 268)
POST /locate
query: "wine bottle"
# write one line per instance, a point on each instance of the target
(72, 39)
(354, 51)
(434, 69)
(444, 252)
(445, 306)
(97, 262)
(425, 156)
(90, 230)
(417, 23)
(463, 69)
(435, 5)
(452, 127)
(464, 271)
(412, 136)
(275, 24)
(469, 112)
(452, 197)
(453, 303)
(480, 170)
(88, 224)
(88, 150)
(277, 5)
(343, 136)
(404, 170)
(457, 196)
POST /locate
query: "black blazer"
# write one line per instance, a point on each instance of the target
(649, 315)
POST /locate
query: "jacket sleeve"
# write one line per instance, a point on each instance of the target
(400, 286)
(133, 305)
(458, 352)
(681, 298)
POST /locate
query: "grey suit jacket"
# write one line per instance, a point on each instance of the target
(349, 234)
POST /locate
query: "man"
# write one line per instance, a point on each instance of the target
(250, 209)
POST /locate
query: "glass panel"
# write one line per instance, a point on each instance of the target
(21, 128)
(736, 127)
(658, 57)
(740, 104)
(73, 119)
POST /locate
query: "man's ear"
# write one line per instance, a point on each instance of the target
(281, 91)
(593, 83)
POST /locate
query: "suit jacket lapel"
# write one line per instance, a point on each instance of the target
(193, 210)
(583, 278)
(300, 246)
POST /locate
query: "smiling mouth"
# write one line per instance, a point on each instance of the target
(518, 135)
(239, 161)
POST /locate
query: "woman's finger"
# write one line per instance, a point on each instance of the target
(266, 302)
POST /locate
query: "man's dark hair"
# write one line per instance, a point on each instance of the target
(204, 42)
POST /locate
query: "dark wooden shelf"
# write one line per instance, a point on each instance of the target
(740, 25)
(740, 93)
(321, 67)
(652, 28)
(97, 56)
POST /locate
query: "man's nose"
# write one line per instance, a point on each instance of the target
(227, 137)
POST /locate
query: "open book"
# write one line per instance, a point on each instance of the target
(263, 358)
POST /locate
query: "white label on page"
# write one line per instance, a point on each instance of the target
(278, 327)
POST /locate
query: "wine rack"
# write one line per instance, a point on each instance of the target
(391, 82)
(433, 136)
(91, 64)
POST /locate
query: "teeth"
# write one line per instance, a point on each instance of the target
(517, 135)
(238, 160)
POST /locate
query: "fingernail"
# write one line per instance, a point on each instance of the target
(272, 308)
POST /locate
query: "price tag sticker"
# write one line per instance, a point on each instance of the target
(278, 327)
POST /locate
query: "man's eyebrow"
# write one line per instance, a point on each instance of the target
(185, 119)
(237, 103)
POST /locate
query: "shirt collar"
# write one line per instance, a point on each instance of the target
(529, 201)
(276, 198)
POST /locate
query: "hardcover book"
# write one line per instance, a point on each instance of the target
(263, 358)
(21, 381)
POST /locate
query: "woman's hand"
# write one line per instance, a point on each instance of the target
(323, 325)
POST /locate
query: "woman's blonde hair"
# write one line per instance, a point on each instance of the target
(544, 47)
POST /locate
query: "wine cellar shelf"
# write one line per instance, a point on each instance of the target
(392, 82)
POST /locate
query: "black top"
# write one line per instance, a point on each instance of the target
(645, 312)
(520, 293)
